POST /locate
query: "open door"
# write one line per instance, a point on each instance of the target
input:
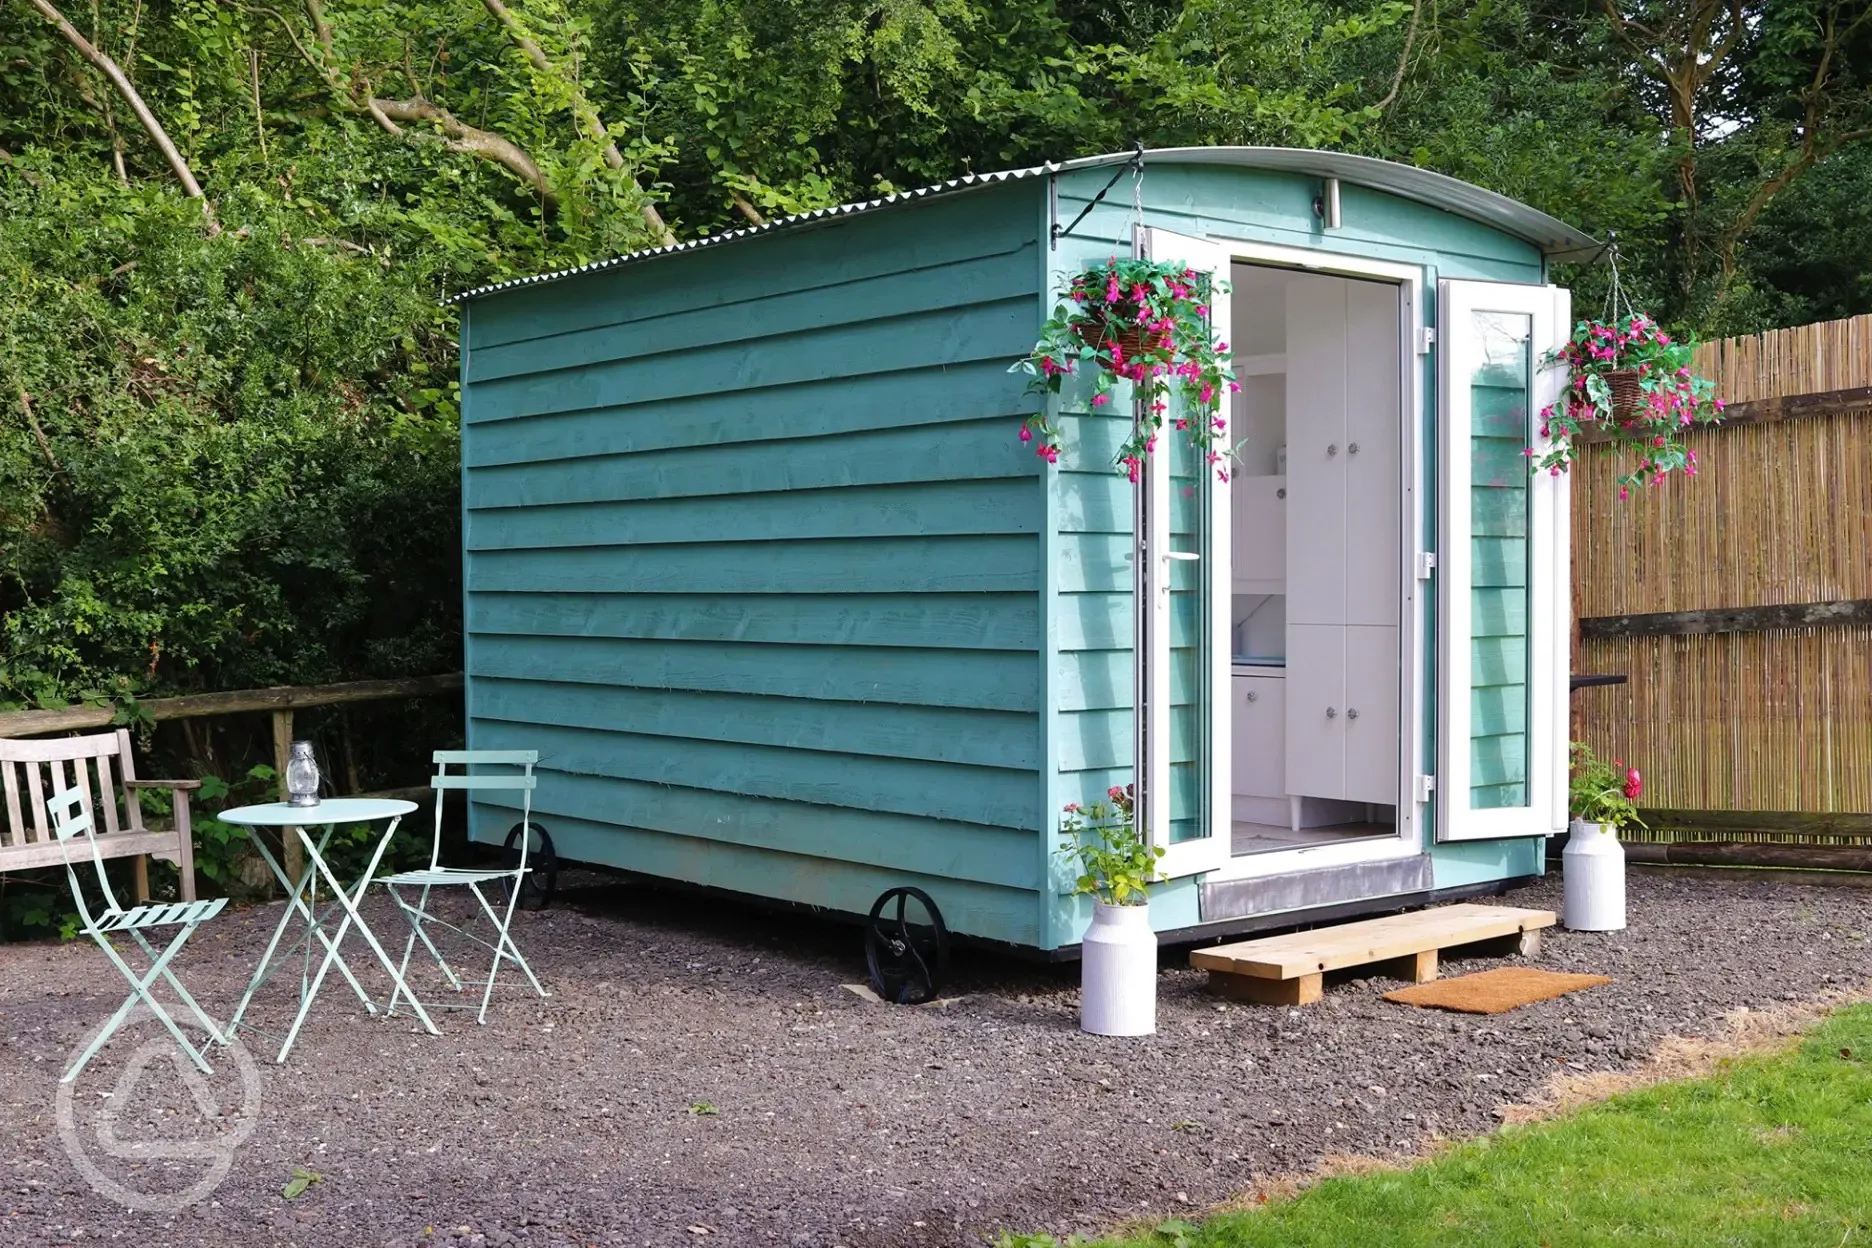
(1504, 606)
(1180, 581)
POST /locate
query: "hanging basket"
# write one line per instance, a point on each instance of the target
(1628, 394)
(1096, 331)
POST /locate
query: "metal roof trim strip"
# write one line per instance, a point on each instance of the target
(1556, 239)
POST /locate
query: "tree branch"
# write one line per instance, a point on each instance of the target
(462, 137)
(108, 67)
(39, 433)
(746, 209)
(1410, 36)
(582, 110)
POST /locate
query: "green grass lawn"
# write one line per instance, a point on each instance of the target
(1771, 1150)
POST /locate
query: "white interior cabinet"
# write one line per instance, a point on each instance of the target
(1343, 538)
(1259, 741)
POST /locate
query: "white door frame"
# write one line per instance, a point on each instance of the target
(1151, 710)
(1412, 661)
(1548, 309)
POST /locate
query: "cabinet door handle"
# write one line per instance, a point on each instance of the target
(1332, 713)
(1352, 713)
(1253, 696)
(1352, 448)
(1281, 493)
(1332, 449)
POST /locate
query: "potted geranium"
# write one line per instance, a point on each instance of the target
(1146, 323)
(1602, 798)
(1118, 955)
(1632, 382)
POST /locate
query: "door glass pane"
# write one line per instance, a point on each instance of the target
(1499, 394)
(1190, 482)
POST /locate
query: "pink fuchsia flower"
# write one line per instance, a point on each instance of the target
(1634, 784)
(1115, 793)
(1624, 492)
(1026, 434)
(1048, 453)
(1072, 808)
(1099, 400)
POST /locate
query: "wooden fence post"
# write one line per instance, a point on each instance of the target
(282, 752)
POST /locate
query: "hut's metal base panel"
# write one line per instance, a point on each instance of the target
(1322, 886)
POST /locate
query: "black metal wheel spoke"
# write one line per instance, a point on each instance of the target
(908, 957)
(542, 877)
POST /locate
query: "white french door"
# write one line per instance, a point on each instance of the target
(1502, 566)
(1180, 584)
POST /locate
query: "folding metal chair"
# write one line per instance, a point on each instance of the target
(438, 876)
(71, 816)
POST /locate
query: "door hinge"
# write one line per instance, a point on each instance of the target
(1426, 785)
(1426, 564)
(1426, 339)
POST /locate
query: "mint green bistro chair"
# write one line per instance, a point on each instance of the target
(71, 817)
(475, 880)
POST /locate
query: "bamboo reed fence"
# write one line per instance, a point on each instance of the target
(1728, 708)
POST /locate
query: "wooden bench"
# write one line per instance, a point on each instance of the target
(33, 771)
(1290, 969)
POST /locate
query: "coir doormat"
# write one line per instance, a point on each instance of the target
(1494, 992)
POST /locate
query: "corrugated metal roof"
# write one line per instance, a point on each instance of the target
(1556, 239)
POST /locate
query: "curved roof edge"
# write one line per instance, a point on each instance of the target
(1555, 238)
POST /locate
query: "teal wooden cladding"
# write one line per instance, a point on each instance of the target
(824, 409)
(971, 621)
(753, 557)
(841, 565)
(989, 680)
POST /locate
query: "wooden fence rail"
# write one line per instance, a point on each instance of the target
(279, 702)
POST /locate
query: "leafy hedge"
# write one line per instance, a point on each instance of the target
(230, 459)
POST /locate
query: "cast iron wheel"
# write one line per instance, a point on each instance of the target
(907, 952)
(536, 890)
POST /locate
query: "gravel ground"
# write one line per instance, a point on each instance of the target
(699, 1077)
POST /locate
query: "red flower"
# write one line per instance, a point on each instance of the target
(1634, 784)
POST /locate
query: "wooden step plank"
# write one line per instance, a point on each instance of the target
(1371, 940)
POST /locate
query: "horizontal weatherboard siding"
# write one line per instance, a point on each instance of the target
(973, 450)
(945, 232)
(836, 406)
(986, 680)
(962, 621)
(816, 566)
(754, 560)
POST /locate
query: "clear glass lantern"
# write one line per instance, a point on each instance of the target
(302, 776)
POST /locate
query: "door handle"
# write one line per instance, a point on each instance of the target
(1253, 696)
(1332, 449)
(1332, 713)
(1352, 713)
(1186, 556)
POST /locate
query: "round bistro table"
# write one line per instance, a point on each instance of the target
(302, 897)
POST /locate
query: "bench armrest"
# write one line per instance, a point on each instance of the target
(182, 786)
